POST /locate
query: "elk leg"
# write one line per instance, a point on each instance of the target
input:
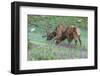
(69, 41)
(75, 42)
(80, 41)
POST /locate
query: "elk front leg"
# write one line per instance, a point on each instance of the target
(69, 41)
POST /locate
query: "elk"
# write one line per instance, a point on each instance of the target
(70, 33)
(61, 33)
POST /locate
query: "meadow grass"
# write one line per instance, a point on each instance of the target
(41, 49)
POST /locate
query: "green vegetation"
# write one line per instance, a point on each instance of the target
(41, 49)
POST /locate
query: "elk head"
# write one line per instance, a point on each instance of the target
(51, 35)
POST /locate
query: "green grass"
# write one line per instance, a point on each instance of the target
(41, 49)
(53, 53)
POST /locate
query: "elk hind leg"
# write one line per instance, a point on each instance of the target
(80, 41)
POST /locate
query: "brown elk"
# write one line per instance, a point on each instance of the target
(70, 33)
(61, 33)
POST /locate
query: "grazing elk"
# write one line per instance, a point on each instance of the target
(61, 33)
(70, 33)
